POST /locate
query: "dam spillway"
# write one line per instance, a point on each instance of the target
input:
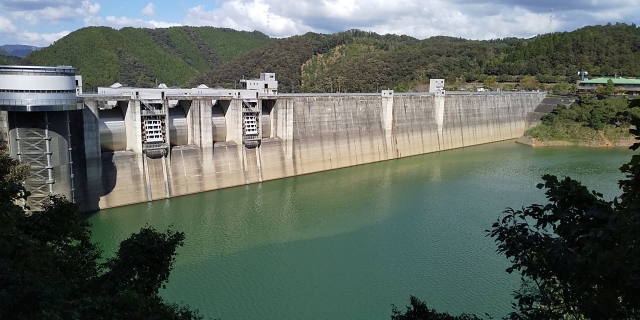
(127, 147)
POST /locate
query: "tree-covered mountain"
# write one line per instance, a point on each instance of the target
(357, 61)
(350, 61)
(287, 57)
(142, 57)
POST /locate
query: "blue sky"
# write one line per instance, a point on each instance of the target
(40, 22)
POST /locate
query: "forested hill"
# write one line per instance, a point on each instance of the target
(287, 57)
(357, 61)
(7, 58)
(350, 61)
(140, 57)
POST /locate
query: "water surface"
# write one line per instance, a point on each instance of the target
(348, 243)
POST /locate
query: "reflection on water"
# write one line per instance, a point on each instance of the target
(348, 243)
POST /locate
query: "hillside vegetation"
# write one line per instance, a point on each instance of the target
(357, 61)
(350, 61)
(589, 121)
(7, 58)
(286, 57)
(140, 57)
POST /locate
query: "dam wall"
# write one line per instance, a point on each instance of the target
(131, 149)
(329, 132)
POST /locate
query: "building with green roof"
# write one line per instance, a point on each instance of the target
(630, 86)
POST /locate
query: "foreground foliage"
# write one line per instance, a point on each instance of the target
(420, 311)
(49, 269)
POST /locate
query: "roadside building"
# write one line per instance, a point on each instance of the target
(628, 86)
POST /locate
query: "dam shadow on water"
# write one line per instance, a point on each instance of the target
(348, 243)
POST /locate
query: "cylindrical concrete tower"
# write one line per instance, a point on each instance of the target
(40, 118)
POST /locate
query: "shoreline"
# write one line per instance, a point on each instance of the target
(533, 142)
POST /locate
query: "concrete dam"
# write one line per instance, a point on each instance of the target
(129, 145)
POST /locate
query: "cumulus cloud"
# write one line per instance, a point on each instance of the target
(473, 19)
(39, 39)
(120, 22)
(417, 18)
(246, 15)
(33, 11)
(149, 10)
(6, 25)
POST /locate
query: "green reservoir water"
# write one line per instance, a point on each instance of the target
(348, 243)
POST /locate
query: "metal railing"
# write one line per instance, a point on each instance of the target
(154, 145)
(152, 112)
(38, 102)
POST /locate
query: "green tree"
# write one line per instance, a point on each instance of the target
(49, 269)
(529, 83)
(603, 92)
(560, 87)
(490, 82)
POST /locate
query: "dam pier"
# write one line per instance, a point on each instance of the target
(125, 145)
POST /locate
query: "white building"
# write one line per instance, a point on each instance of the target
(267, 84)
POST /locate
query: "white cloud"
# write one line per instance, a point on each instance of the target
(67, 10)
(250, 15)
(471, 19)
(6, 25)
(149, 10)
(120, 22)
(39, 39)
